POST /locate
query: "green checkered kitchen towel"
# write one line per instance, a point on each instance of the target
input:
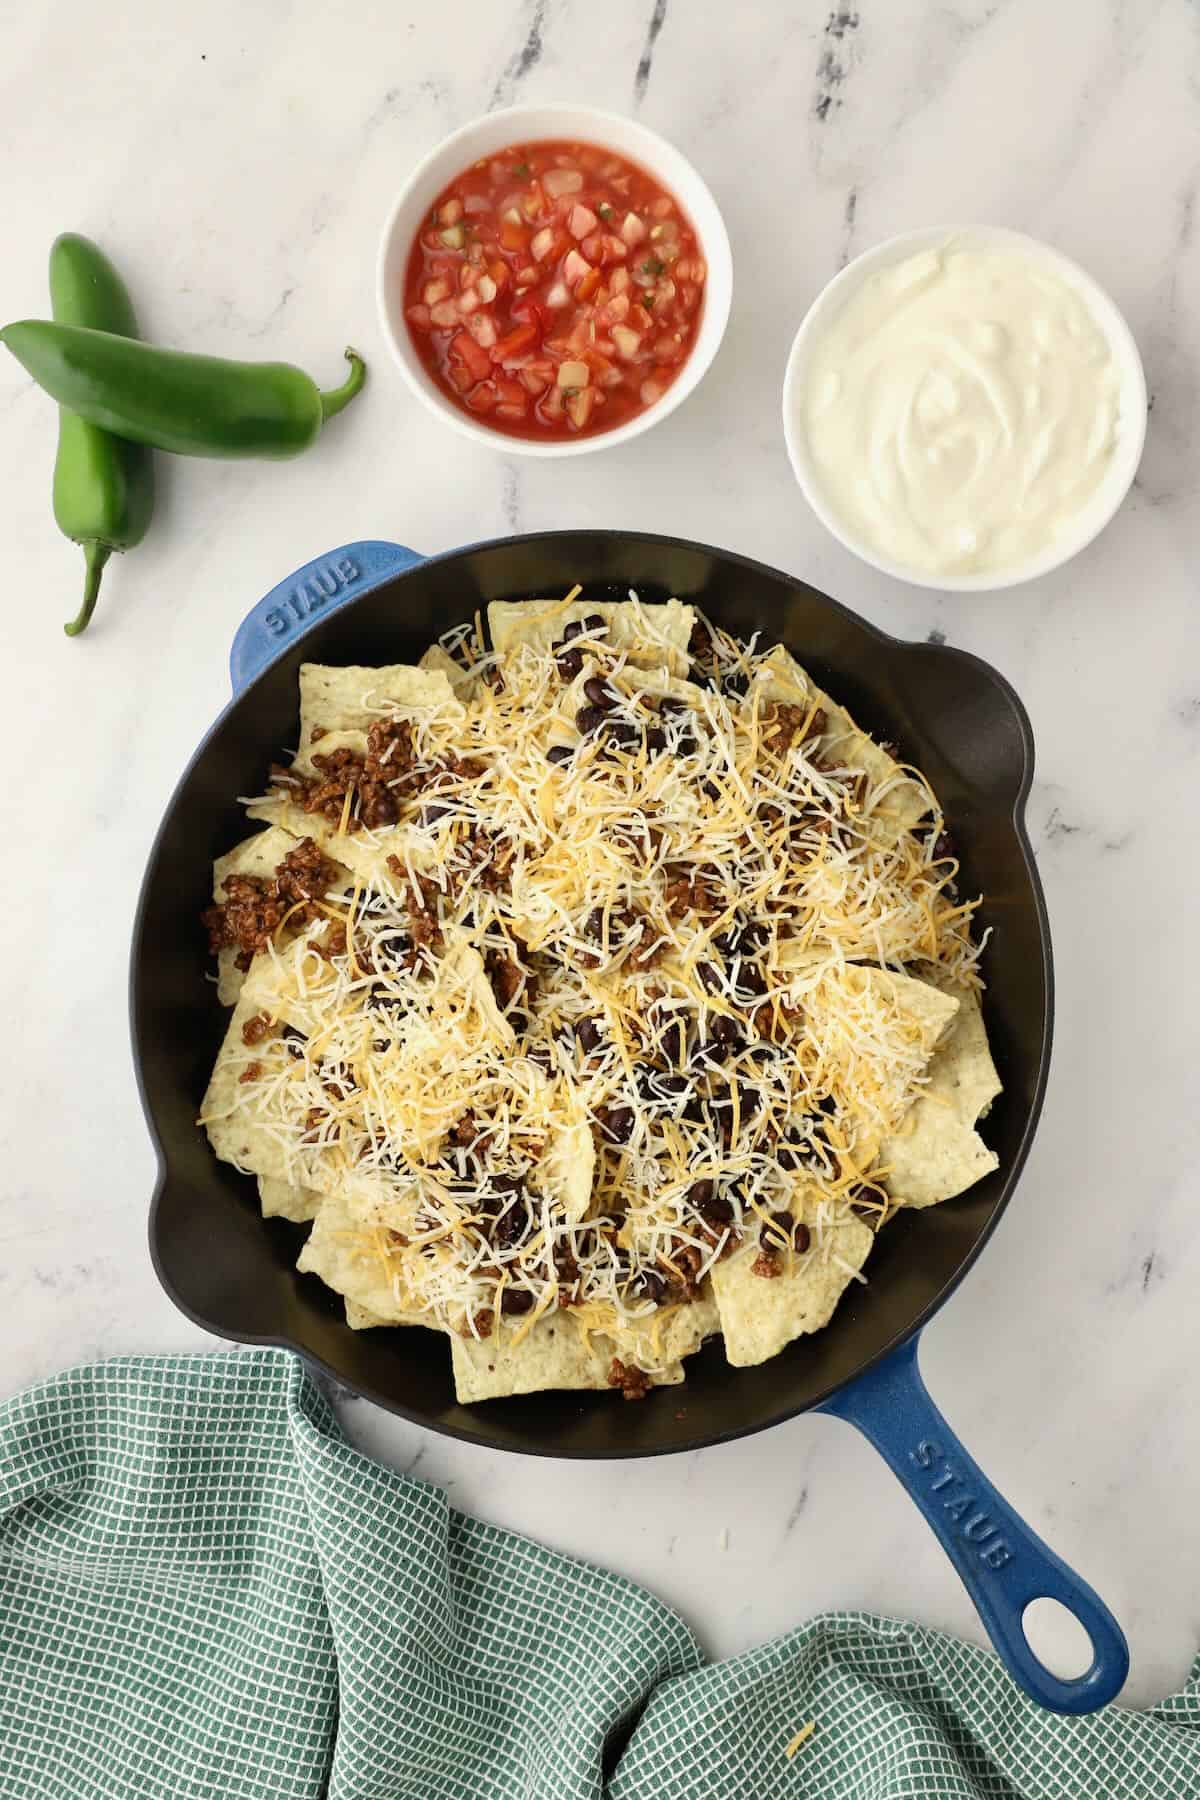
(206, 1591)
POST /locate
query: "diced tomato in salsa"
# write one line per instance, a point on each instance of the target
(555, 289)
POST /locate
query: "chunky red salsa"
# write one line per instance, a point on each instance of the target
(555, 290)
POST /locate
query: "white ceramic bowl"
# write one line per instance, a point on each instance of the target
(526, 124)
(1091, 519)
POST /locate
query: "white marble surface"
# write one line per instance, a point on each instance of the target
(239, 167)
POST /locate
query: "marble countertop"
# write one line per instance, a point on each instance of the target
(239, 170)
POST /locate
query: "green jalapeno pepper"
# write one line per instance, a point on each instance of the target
(103, 485)
(172, 400)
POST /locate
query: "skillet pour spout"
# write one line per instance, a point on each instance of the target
(234, 1274)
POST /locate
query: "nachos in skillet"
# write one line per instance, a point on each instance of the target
(593, 994)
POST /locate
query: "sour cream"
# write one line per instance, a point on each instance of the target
(962, 409)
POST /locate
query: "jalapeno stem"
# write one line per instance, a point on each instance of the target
(96, 555)
(333, 401)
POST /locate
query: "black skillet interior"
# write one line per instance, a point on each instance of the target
(233, 1273)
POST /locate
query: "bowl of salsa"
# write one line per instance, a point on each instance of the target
(554, 279)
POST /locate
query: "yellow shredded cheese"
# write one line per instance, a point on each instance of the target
(504, 1088)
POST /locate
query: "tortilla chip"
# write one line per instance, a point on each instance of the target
(567, 1168)
(553, 1353)
(681, 1331)
(352, 699)
(927, 1014)
(244, 1137)
(649, 635)
(341, 738)
(931, 1009)
(905, 801)
(342, 1252)
(283, 1200)
(363, 854)
(440, 662)
(759, 1315)
(340, 704)
(260, 855)
(361, 1318)
(937, 1153)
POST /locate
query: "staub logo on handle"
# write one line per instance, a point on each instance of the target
(971, 1521)
(324, 582)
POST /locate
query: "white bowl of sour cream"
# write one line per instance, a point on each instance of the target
(964, 408)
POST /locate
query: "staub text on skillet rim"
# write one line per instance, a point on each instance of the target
(232, 1272)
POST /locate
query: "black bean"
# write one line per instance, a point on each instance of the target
(623, 733)
(714, 1050)
(792, 1155)
(710, 790)
(865, 1202)
(616, 1123)
(648, 1284)
(713, 1208)
(516, 1300)
(600, 694)
(658, 1088)
(724, 1028)
(510, 1227)
(588, 1035)
(656, 741)
(437, 809)
(782, 1225)
(700, 1194)
(593, 925)
(573, 629)
(750, 980)
(672, 1087)
(710, 977)
(801, 1236)
(827, 1105)
(589, 719)
(671, 707)
(569, 664)
(749, 1101)
(742, 935)
(296, 1040)
(559, 753)
(593, 623)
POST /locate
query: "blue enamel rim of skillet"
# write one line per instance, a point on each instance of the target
(1001, 1562)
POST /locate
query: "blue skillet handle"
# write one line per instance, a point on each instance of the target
(310, 595)
(1001, 1563)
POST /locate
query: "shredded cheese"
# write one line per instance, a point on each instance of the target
(648, 939)
(801, 1737)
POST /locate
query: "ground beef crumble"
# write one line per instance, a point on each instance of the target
(784, 725)
(255, 905)
(633, 1382)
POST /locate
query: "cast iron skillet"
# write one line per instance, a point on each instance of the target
(233, 1273)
